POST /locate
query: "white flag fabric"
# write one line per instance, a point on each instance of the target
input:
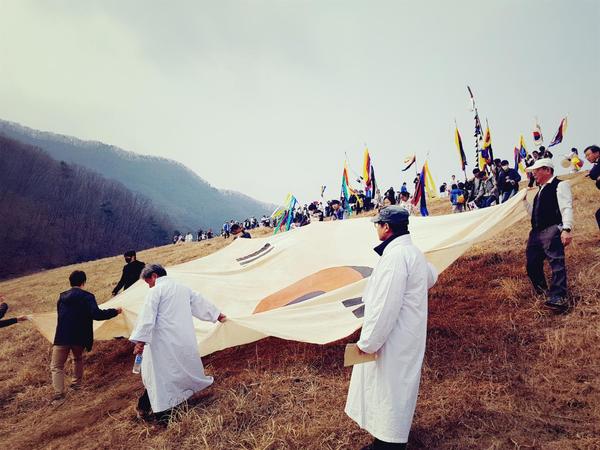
(303, 285)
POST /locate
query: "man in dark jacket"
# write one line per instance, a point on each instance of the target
(77, 309)
(8, 322)
(131, 272)
(592, 154)
(508, 181)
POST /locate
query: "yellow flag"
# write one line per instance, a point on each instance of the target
(429, 184)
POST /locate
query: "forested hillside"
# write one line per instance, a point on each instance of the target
(190, 201)
(54, 213)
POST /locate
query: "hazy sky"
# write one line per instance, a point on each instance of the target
(265, 97)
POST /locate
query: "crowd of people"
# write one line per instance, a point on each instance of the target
(316, 211)
(226, 230)
(498, 182)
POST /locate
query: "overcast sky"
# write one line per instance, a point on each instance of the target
(266, 97)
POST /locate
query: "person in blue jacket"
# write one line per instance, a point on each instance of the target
(457, 198)
(508, 181)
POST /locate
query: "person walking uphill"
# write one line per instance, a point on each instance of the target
(164, 334)
(77, 309)
(131, 272)
(383, 393)
(551, 225)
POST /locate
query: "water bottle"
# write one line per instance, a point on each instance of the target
(137, 364)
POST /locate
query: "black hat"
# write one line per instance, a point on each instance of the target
(504, 162)
(392, 214)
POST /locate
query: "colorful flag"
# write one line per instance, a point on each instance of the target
(373, 182)
(562, 129)
(420, 197)
(346, 189)
(429, 184)
(367, 174)
(284, 214)
(461, 151)
(409, 161)
(520, 153)
(366, 167)
(487, 154)
(522, 149)
(517, 158)
(538, 139)
(281, 209)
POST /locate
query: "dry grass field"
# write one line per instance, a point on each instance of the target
(499, 372)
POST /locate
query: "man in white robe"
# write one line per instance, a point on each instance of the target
(164, 334)
(383, 393)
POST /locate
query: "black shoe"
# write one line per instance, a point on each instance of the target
(144, 416)
(377, 444)
(3, 309)
(557, 304)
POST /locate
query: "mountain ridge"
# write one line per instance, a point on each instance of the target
(189, 200)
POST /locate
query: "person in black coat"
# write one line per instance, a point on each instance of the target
(8, 322)
(77, 309)
(131, 272)
(592, 154)
(508, 181)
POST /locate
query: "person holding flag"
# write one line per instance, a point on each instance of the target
(382, 395)
(172, 369)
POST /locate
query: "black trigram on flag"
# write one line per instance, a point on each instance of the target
(359, 312)
(254, 256)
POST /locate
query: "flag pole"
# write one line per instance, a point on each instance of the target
(354, 171)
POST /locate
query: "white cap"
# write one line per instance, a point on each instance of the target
(542, 162)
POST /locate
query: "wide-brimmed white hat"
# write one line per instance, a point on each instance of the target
(542, 162)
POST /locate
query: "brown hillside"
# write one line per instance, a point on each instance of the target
(499, 372)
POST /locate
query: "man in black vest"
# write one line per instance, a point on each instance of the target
(551, 225)
(77, 309)
(131, 272)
